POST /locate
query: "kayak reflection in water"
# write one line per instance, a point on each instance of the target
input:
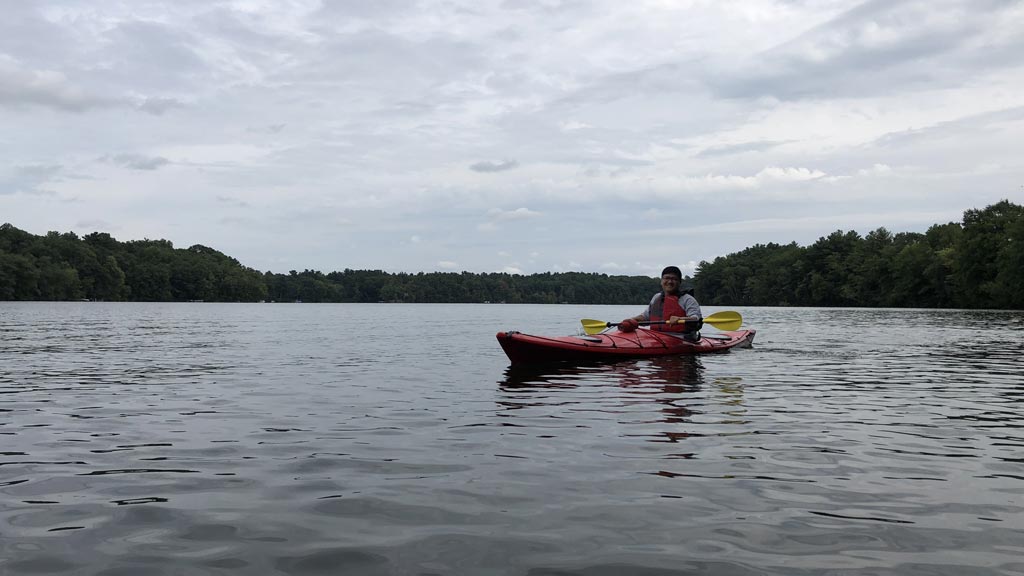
(675, 374)
(674, 308)
(654, 408)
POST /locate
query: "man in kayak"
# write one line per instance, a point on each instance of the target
(674, 305)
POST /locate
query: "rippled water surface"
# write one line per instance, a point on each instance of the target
(395, 439)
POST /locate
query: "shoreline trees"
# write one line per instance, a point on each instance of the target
(978, 263)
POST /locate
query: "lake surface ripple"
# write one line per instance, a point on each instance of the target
(395, 439)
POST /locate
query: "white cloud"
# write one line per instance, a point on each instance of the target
(875, 170)
(447, 264)
(789, 174)
(497, 216)
(517, 214)
(573, 125)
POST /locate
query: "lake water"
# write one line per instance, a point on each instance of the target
(394, 439)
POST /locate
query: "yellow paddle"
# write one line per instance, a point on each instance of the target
(722, 320)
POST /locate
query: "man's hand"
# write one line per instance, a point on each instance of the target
(628, 325)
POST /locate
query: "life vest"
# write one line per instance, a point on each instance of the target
(664, 308)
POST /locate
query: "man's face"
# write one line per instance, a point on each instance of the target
(670, 282)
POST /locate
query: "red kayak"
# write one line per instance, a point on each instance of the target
(527, 349)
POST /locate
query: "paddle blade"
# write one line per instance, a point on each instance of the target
(726, 320)
(593, 326)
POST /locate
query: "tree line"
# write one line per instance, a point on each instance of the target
(63, 266)
(977, 263)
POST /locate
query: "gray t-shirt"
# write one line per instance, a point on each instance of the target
(686, 302)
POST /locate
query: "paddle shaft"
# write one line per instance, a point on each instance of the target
(649, 323)
(722, 320)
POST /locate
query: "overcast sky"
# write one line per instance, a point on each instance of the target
(510, 135)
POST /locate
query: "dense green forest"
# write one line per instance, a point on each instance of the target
(97, 267)
(977, 263)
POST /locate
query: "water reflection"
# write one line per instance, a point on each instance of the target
(669, 374)
(668, 384)
(730, 391)
(647, 395)
(555, 375)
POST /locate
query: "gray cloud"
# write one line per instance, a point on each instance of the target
(29, 179)
(488, 166)
(96, 225)
(157, 105)
(313, 134)
(232, 201)
(139, 161)
(22, 30)
(268, 129)
(876, 46)
(979, 124)
(148, 56)
(346, 10)
(730, 149)
(22, 86)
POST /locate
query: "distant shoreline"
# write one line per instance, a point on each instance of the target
(978, 263)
